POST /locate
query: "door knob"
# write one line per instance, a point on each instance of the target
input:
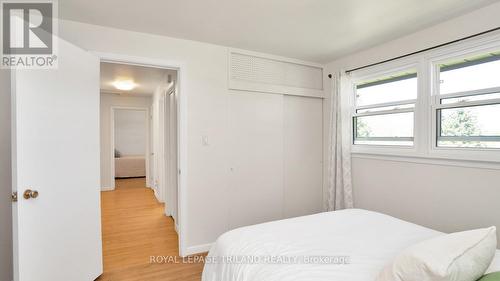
(28, 193)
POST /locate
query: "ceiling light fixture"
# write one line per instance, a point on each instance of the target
(124, 85)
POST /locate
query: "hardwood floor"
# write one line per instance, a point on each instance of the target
(134, 228)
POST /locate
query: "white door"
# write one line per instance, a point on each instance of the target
(303, 152)
(256, 158)
(57, 236)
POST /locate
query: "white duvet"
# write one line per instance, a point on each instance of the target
(348, 245)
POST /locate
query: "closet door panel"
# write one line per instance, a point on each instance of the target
(256, 153)
(303, 155)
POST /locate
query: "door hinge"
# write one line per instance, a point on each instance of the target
(14, 196)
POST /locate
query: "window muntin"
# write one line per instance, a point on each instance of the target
(480, 97)
(468, 103)
(385, 108)
(384, 113)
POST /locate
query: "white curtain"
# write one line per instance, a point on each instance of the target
(339, 192)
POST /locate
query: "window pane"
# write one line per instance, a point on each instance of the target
(466, 76)
(395, 88)
(386, 129)
(473, 126)
(471, 98)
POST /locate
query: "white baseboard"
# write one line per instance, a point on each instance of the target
(198, 249)
(107, 188)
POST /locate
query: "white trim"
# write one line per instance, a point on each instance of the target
(385, 69)
(468, 48)
(384, 112)
(386, 104)
(107, 188)
(384, 149)
(466, 104)
(274, 89)
(156, 195)
(438, 161)
(479, 92)
(182, 129)
(198, 249)
(275, 57)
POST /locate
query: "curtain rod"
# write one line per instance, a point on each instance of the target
(425, 50)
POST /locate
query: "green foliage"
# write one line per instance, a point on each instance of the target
(363, 131)
(461, 122)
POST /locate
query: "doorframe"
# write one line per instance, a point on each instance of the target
(113, 110)
(181, 129)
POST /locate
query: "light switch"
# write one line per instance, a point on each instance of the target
(204, 140)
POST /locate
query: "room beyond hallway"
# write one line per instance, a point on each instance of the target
(134, 228)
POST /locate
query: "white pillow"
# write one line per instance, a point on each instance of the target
(461, 256)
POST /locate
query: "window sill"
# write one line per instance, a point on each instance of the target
(429, 160)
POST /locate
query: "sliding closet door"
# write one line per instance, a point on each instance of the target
(303, 155)
(256, 158)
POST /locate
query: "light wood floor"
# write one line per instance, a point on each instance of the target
(134, 228)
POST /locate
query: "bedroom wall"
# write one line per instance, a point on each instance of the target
(130, 132)
(108, 101)
(446, 198)
(5, 179)
(205, 72)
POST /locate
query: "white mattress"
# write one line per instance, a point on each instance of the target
(369, 240)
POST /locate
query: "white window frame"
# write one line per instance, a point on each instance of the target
(469, 153)
(425, 149)
(373, 73)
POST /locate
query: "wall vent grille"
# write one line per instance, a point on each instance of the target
(259, 70)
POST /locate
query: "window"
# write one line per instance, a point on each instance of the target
(384, 110)
(441, 105)
(467, 105)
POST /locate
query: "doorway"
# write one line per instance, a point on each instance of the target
(139, 157)
(130, 145)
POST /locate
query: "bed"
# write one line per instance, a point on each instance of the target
(348, 245)
(132, 166)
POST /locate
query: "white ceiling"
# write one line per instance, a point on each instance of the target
(146, 78)
(315, 30)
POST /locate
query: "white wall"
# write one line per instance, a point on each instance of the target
(445, 198)
(131, 132)
(5, 179)
(107, 102)
(205, 90)
(442, 197)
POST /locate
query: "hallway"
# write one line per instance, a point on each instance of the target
(134, 228)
